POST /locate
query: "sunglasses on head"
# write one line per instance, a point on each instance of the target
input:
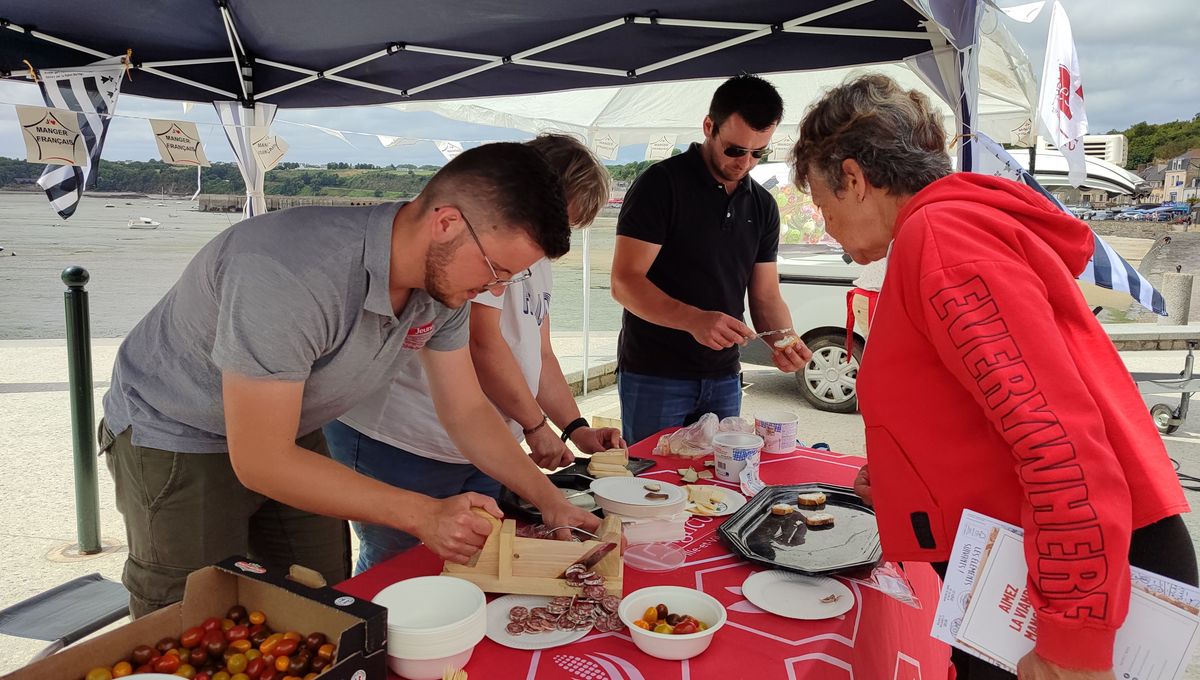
(738, 152)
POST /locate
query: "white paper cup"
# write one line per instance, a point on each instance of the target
(778, 431)
(733, 452)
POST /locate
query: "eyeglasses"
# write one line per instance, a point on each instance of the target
(738, 152)
(496, 280)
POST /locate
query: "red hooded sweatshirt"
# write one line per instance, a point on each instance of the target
(988, 384)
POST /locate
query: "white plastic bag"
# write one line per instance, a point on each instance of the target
(693, 441)
(736, 424)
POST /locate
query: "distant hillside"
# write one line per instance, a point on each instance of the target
(289, 179)
(1162, 141)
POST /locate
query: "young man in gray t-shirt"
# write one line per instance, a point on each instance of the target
(280, 325)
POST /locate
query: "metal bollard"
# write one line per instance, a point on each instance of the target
(83, 426)
(1177, 293)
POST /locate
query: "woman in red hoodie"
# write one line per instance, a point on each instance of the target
(988, 384)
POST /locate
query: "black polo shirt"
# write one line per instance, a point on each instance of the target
(710, 242)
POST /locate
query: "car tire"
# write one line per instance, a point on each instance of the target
(827, 382)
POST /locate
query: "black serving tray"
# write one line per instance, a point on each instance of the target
(515, 506)
(635, 465)
(784, 542)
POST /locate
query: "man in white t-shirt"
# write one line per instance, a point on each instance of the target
(396, 437)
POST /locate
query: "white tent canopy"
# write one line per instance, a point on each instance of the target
(640, 114)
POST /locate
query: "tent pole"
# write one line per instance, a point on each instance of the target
(587, 305)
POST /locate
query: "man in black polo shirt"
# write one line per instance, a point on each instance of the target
(695, 235)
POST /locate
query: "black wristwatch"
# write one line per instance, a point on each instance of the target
(572, 426)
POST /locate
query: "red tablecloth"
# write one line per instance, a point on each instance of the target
(879, 639)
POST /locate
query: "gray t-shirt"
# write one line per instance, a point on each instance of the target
(299, 294)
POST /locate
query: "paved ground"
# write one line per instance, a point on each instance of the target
(36, 494)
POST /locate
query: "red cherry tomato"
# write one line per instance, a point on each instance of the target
(211, 623)
(191, 637)
(167, 663)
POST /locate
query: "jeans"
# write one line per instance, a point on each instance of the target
(650, 403)
(405, 470)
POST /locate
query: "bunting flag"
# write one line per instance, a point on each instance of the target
(1060, 102)
(449, 149)
(1106, 268)
(90, 91)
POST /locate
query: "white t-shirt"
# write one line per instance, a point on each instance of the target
(403, 414)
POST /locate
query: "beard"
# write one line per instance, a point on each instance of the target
(436, 284)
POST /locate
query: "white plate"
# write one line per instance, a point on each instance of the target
(497, 622)
(632, 491)
(797, 596)
(731, 502)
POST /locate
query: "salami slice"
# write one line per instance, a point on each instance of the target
(515, 628)
(518, 614)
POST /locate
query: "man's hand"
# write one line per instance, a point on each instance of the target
(1034, 667)
(548, 451)
(716, 330)
(597, 439)
(452, 531)
(792, 358)
(862, 485)
(563, 514)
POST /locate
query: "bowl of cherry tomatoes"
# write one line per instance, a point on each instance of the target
(672, 622)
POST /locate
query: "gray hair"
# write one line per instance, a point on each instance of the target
(893, 133)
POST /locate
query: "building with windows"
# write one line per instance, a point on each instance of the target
(1112, 148)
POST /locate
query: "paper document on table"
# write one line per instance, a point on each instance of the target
(996, 620)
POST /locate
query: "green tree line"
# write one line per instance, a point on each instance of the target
(1149, 142)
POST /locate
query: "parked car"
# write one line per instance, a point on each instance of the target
(1097, 215)
(814, 280)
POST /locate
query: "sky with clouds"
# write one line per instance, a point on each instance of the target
(1139, 63)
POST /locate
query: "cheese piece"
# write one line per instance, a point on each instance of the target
(611, 457)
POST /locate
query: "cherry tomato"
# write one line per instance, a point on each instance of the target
(166, 644)
(198, 656)
(662, 611)
(286, 647)
(673, 619)
(281, 663)
(98, 674)
(236, 663)
(240, 646)
(253, 654)
(268, 673)
(319, 664)
(226, 624)
(167, 663)
(664, 628)
(313, 642)
(240, 676)
(642, 624)
(685, 628)
(203, 675)
(211, 623)
(238, 632)
(144, 668)
(214, 643)
(255, 667)
(292, 635)
(142, 655)
(268, 645)
(326, 651)
(121, 669)
(186, 671)
(237, 613)
(191, 637)
(310, 676)
(258, 617)
(651, 615)
(298, 665)
(221, 675)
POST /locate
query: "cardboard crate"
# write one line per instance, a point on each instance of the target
(358, 626)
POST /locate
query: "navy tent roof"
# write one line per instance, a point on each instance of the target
(375, 51)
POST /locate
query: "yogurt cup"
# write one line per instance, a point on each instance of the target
(733, 452)
(778, 431)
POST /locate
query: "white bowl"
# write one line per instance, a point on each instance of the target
(626, 496)
(702, 606)
(431, 617)
(428, 669)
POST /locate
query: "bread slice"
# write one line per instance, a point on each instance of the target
(786, 341)
(611, 457)
(782, 509)
(601, 469)
(814, 499)
(818, 519)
